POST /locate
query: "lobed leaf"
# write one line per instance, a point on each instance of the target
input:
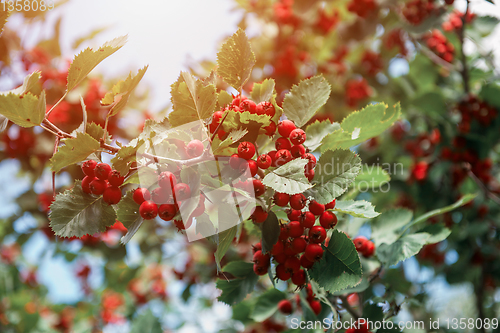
(387, 228)
(263, 92)
(235, 290)
(270, 232)
(23, 110)
(288, 178)
(317, 131)
(4, 14)
(74, 151)
(267, 304)
(402, 249)
(359, 208)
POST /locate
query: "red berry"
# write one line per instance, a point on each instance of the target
(140, 195)
(312, 161)
(102, 171)
(295, 229)
(306, 263)
(235, 161)
(328, 220)
(330, 205)
(299, 277)
(282, 273)
(278, 248)
(194, 148)
(237, 100)
(248, 105)
(259, 215)
(252, 166)
(257, 247)
(309, 174)
(285, 127)
(313, 252)
(369, 250)
(160, 195)
(317, 234)
(298, 151)
(316, 307)
(246, 150)
(182, 192)
(181, 225)
(216, 118)
(316, 208)
(307, 219)
(282, 143)
(167, 211)
(270, 129)
(285, 307)
(265, 108)
(264, 161)
(283, 233)
(297, 136)
(281, 199)
(360, 243)
(294, 215)
(298, 201)
(298, 244)
(283, 156)
(260, 270)
(88, 167)
(292, 264)
(261, 259)
(112, 195)
(259, 188)
(98, 186)
(148, 210)
(280, 258)
(86, 184)
(167, 180)
(115, 179)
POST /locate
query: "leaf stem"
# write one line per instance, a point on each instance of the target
(55, 105)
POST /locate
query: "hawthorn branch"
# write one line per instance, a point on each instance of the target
(55, 105)
(486, 191)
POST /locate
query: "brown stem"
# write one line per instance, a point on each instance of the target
(486, 191)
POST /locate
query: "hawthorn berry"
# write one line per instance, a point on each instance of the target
(98, 186)
(252, 166)
(194, 148)
(283, 233)
(264, 161)
(259, 215)
(304, 262)
(317, 234)
(160, 195)
(86, 184)
(283, 143)
(265, 107)
(285, 307)
(298, 245)
(282, 273)
(259, 188)
(294, 215)
(298, 151)
(182, 191)
(283, 156)
(312, 161)
(299, 277)
(88, 168)
(140, 195)
(260, 270)
(167, 211)
(285, 127)
(270, 129)
(316, 208)
(309, 174)
(330, 205)
(235, 161)
(148, 210)
(112, 195)
(115, 179)
(328, 220)
(216, 118)
(238, 99)
(360, 243)
(295, 229)
(297, 136)
(167, 180)
(248, 105)
(292, 264)
(256, 247)
(278, 248)
(370, 249)
(261, 259)
(313, 252)
(298, 201)
(102, 171)
(246, 150)
(307, 219)
(281, 199)
(316, 307)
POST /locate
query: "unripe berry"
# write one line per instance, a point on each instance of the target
(194, 148)
(167, 211)
(148, 210)
(281, 199)
(167, 180)
(285, 307)
(265, 108)
(297, 136)
(98, 186)
(299, 277)
(259, 188)
(140, 195)
(102, 171)
(313, 252)
(295, 229)
(86, 184)
(182, 191)
(298, 201)
(298, 151)
(316, 208)
(307, 219)
(246, 150)
(317, 234)
(282, 143)
(285, 127)
(259, 215)
(328, 220)
(115, 179)
(112, 195)
(264, 161)
(88, 167)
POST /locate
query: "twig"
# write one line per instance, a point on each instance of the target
(57, 103)
(483, 187)
(376, 275)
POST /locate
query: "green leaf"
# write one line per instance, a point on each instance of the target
(128, 214)
(371, 176)
(358, 208)
(263, 92)
(125, 156)
(484, 25)
(97, 132)
(267, 304)
(340, 267)
(437, 232)
(235, 60)
(74, 151)
(305, 99)
(362, 286)
(121, 91)
(88, 59)
(191, 100)
(30, 81)
(224, 98)
(373, 312)
(387, 228)
(317, 131)
(87, 37)
(335, 171)
(23, 110)
(431, 103)
(288, 178)
(235, 290)
(360, 126)
(75, 213)
(404, 248)
(233, 137)
(270, 232)
(146, 322)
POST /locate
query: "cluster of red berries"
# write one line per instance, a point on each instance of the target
(362, 8)
(395, 38)
(424, 144)
(372, 62)
(326, 22)
(299, 243)
(242, 104)
(18, 144)
(101, 180)
(164, 201)
(416, 11)
(283, 13)
(472, 108)
(148, 285)
(455, 22)
(438, 43)
(286, 307)
(357, 90)
(364, 246)
(432, 254)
